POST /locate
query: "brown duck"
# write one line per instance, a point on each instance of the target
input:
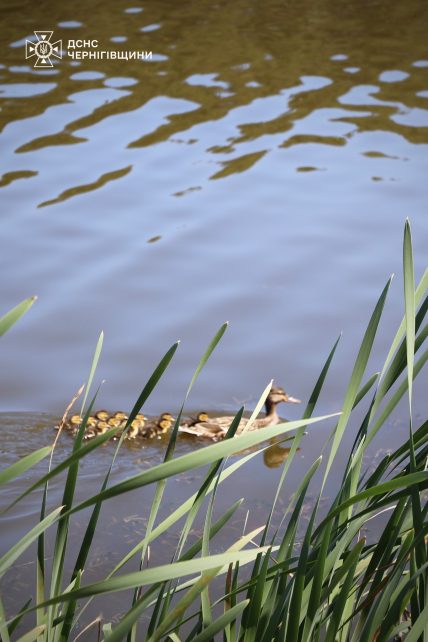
(216, 427)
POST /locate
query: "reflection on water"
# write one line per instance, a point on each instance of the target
(275, 455)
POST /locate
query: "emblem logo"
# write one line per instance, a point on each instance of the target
(43, 49)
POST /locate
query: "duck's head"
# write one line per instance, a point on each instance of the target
(164, 425)
(121, 416)
(102, 427)
(278, 395)
(137, 424)
(102, 415)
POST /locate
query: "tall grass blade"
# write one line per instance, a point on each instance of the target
(93, 368)
(13, 553)
(4, 631)
(420, 291)
(409, 297)
(220, 623)
(356, 376)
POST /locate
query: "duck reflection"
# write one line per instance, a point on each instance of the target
(276, 454)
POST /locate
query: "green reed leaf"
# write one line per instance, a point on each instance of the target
(11, 317)
(23, 464)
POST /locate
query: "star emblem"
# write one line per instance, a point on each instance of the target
(43, 49)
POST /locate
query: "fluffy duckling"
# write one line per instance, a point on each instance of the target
(216, 427)
(102, 415)
(200, 418)
(122, 416)
(158, 427)
(134, 428)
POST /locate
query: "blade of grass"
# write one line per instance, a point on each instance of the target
(33, 634)
(11, 317)
(339, 605)
(4, 631)
(93, 368)
(21, 466)
(410, 305)
(220, 623)
(13, 553)
(420, 291)
(356, 377)
(155, 574)
(409, 297)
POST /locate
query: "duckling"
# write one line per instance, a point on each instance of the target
(101, 427)
(114, 422)
(72, 424)
(134, 428)
(167, 417)
(90, 433)
(102, 415)
(156, 428)
(200, 418)
(216, 427)
(121, 416)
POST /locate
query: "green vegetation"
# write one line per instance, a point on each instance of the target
(332, 586)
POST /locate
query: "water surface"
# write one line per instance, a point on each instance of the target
(258, 169)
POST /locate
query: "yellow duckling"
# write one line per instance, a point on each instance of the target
(95, 428)
(72, 424)
(216, 427)
(201, 417)
(167, 417)
(157, 427)
(102, 415)
(101, 427)
(134, 428)
(121, 416)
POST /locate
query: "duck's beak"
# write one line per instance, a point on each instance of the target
(292, 399)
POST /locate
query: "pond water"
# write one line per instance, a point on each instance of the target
(257, 169)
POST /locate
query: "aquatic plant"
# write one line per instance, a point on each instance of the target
(332, 586)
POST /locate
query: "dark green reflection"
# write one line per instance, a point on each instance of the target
(221, 56)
